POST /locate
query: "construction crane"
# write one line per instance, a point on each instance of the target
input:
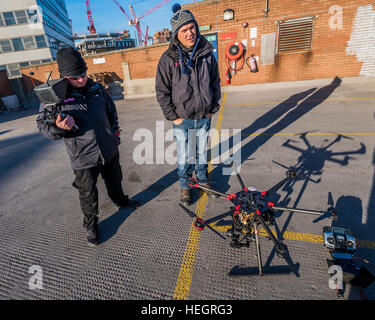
(135, 21)
(91, 26)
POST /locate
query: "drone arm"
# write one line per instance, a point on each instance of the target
(217, 218)
(240, 181)
(228, 196)
(314, 212)
(268, 230)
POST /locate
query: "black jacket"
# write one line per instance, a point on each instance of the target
(95, 114)
(188, 96)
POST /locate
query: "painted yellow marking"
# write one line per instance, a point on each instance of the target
(185, 276)
(306, 237)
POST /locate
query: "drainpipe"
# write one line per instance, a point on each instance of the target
(267, 9)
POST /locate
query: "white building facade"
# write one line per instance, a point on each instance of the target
(31, 32)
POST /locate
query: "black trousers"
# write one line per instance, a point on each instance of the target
(85, 182)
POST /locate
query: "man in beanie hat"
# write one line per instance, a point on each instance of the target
(188, 91)
(90, 131)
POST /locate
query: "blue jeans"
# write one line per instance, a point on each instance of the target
(192, 155)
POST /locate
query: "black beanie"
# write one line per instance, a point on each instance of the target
(70, 62)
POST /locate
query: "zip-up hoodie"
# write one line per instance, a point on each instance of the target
(95, 114)
(191, 95)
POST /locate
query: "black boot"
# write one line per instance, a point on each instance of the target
(185, 197)
(127, 203)
(93, 235)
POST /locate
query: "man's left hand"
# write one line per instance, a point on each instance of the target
(208, 115)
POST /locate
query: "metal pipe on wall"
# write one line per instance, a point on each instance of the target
(267, 9)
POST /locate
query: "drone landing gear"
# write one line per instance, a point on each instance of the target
(281, 251)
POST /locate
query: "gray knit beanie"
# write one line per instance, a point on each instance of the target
(180, 18)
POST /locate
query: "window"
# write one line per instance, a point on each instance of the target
(29, 43)
(1, 21)
(9, 18)
(2, 68)
(24, 64)
(46, 60)
(5, 46)
(17, 44)
(13, 70)
(295, 35)
(21, 17)
(40, 41)
(33, 63)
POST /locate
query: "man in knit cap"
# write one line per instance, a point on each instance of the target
(90, 130)
(188, 91)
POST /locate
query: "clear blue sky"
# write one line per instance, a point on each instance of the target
(109, 18)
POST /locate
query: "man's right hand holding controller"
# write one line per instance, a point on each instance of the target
(66, 123)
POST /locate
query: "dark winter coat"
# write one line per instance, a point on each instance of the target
(188, 96)
(95, 115)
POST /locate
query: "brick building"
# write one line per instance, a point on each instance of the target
(291, 39)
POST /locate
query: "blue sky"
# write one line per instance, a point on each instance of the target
(109, 18)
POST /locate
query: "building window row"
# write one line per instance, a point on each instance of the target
(22, 43)
(52, 24)
(55, 11)
(19, 17)
(55, 43)
(11, 18)
(13, 69)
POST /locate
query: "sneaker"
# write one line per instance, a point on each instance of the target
(210, 194)
(185, 197)
(93, 235)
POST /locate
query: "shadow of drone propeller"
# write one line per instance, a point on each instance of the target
(331, 212)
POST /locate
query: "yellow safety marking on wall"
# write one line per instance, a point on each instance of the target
(306, 237)
(185, 276)
(297, 101)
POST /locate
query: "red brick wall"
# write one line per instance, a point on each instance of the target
(5, 88)
(142, 64)
(327, 59)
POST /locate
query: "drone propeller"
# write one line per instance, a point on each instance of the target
(200, 222)
(299, 174)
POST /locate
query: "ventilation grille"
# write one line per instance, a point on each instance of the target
(295, 35)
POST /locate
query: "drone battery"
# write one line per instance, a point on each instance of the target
(52, 92)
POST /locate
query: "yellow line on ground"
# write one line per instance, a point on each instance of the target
(307, 133)
(306, 237)
(185, 276)
(297, 101)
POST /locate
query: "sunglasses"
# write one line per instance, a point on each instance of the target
(77, 77)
